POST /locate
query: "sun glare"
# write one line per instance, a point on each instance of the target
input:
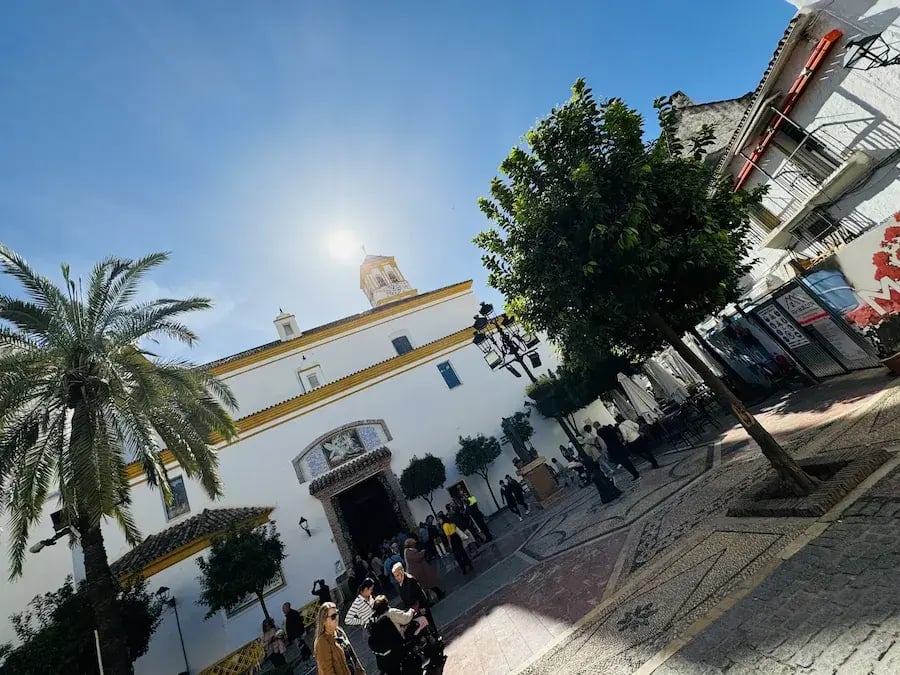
(344, 246)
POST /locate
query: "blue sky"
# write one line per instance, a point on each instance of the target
(240, 135)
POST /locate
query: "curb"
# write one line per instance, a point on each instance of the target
(791, 549)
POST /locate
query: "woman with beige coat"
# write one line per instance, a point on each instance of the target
(333, 652)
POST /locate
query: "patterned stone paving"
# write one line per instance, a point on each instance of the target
(587, 519)
(832, 608)
(663, 599)
(664, 551)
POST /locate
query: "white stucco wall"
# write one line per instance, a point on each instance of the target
(264, 384)
(847, 108)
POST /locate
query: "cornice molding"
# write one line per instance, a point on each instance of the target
(351, 325)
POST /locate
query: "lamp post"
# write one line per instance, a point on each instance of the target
(504, 346)
(168, 599)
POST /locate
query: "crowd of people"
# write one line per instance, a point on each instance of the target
(606, 449)
(405, 565)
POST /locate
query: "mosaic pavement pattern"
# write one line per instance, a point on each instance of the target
(832, 608)
(663, 599)
(587, 519)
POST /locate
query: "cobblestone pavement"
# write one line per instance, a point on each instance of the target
(832, 608)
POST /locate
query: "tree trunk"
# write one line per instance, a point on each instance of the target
(430, 501)
(744, 389)
(262, 603)
(490, 489)
(572, 436)
(798, 480)
(102, 588)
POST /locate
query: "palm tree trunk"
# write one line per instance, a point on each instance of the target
(800, 482)
(102, 590)
(262, 603)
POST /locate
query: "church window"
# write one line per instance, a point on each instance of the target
(402, 344)
(392, 277)
(449, 375)
(288, 331)
(179, 505)
(379, 280)
(310, 378)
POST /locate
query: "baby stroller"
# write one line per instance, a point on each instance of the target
(584, 477)
(419, 650)
(424, 646)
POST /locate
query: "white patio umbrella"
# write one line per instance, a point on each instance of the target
(623, 406)
(671, 388)
(644, 404)
(682, 368)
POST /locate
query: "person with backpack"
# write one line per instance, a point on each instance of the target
(386, 636)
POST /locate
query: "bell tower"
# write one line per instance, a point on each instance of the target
(380, 279)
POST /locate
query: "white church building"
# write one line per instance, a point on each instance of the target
(329, 418)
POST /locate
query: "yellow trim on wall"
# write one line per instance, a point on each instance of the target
(304, 341)
(392, 367)
(186, 551)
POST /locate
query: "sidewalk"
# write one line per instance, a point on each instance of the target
(829, 607)
(833, 607)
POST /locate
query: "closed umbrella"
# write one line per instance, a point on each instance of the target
(682, 368)
(671, 388)
(641, 400)
(623, 405)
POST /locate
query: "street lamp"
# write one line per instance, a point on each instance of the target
(167, 599)
(504, 343)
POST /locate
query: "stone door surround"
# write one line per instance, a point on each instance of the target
(327, 487)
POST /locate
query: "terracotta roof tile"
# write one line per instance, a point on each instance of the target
(204, 524)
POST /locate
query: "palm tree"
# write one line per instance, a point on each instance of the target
(81, 397)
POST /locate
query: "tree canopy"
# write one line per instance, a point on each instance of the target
(475, 455)
(422, 477)
(239, 564)
(83, 395)
(56, 631)
(594, 226)
(614, 243)
(519, 431)
(577, 384)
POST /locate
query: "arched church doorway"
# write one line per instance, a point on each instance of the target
(369, 515)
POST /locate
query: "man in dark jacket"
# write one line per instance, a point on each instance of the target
(616, 448)
(412, 594)
(516, 488)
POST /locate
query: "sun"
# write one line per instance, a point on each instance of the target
(344, 246)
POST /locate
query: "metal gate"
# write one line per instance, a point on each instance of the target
(817, 337)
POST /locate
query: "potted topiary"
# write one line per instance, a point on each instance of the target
(887, 338)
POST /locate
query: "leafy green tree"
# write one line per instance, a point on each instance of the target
(56, 631)
(422, 477)
(240, 563)
(577, 384)
(609, 241)
(82, 396)
(519, 431)
(475, 455)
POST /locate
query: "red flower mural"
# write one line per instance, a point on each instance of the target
(887, 265)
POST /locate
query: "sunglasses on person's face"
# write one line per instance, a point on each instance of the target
(333, 617)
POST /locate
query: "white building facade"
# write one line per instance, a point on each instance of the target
(329, 418)
(822, 133)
